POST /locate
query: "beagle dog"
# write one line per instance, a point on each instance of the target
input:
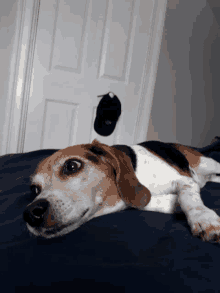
(86, 181)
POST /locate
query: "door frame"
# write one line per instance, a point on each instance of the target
(22, 65)
(20, 79)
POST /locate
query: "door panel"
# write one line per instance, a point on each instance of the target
(85, 49)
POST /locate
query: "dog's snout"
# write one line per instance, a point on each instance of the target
(35, 213)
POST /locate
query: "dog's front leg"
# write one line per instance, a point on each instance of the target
(203, 221)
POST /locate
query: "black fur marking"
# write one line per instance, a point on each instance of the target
(129, 152)
(168, 152)
(97, 151)
(92, 158)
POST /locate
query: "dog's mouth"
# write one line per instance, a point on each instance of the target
(52, 232)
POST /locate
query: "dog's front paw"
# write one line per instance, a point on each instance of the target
(205, 224)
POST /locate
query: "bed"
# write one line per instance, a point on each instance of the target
(129, 251)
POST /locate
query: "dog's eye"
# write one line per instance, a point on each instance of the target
(35, 189)
(71, 166)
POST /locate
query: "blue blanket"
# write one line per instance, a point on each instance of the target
(129, 251)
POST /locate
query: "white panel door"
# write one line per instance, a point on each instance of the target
(85, 49)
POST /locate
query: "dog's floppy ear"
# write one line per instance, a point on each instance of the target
(129, 188)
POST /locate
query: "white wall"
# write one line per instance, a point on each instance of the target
(8, 11)
(186, 102)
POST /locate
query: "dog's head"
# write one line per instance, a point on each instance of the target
(79, 183)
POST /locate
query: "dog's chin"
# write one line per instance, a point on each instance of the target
(54, 232)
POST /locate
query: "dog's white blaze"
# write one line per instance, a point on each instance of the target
(38, 178)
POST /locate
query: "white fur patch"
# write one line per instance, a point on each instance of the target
(154, 173)
(119, 206)
(159, 177)
(163, 203)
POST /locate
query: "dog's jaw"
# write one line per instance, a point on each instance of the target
(96, 211)
(56, 232)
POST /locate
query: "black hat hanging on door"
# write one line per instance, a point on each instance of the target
(107, 114)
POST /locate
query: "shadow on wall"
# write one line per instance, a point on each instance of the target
(205, 71)
(186, 98)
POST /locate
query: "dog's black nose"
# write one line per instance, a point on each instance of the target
(35, 213)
